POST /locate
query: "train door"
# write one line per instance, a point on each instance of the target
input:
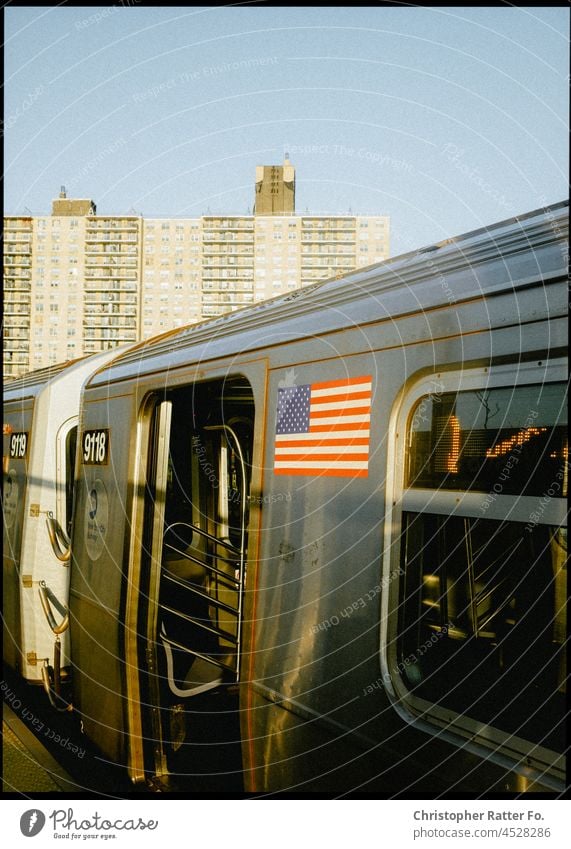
(53, 575)
(16, 452)
(196, 535)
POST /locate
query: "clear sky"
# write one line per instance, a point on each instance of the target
(445, 119)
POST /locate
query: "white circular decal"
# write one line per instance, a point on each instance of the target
(10, 497)
(96, 519)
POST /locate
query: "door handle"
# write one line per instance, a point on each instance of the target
(61, 544)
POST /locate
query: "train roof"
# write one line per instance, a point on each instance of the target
(34, 382)
(508, 254)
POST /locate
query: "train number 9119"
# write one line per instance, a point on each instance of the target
(18, 445)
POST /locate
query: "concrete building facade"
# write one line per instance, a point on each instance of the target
(76, 282)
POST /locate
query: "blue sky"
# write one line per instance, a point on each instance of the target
(445, 119)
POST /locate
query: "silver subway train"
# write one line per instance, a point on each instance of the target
(330, 530)
(40, 421)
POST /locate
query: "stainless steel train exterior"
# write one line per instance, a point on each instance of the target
(342, 514)
(41, 413)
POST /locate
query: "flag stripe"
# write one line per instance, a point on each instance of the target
(330, 450)
(289, 440)
(334, 420)
(347, 381)
(339, 428)
(340, 460)
(322, 464)
(323, 397)
(324, 473)
(348, 408)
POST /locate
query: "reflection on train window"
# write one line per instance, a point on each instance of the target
(482, 622)
(508, 440)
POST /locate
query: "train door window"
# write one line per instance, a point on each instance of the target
(66, 452)
(478, 641)
(204, 530)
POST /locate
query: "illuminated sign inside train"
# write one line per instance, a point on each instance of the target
(95, 447)
(18, 445)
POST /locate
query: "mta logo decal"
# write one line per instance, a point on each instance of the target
(32, 822)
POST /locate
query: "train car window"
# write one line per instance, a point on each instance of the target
(477, 630)
(482, 626)
(70, 452)
(473, 440)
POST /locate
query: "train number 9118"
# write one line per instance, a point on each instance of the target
(95, 447)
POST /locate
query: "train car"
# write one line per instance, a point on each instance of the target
(41, 411)
(339, 518)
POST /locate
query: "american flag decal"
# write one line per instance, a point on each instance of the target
(324, 428)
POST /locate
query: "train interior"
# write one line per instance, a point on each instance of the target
(483, 620)
(202, 523)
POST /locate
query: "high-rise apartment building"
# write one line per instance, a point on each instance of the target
(72, 206)
(76, 282)
(275, 189)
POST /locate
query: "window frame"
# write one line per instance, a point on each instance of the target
(461, 729)
(65, 475)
